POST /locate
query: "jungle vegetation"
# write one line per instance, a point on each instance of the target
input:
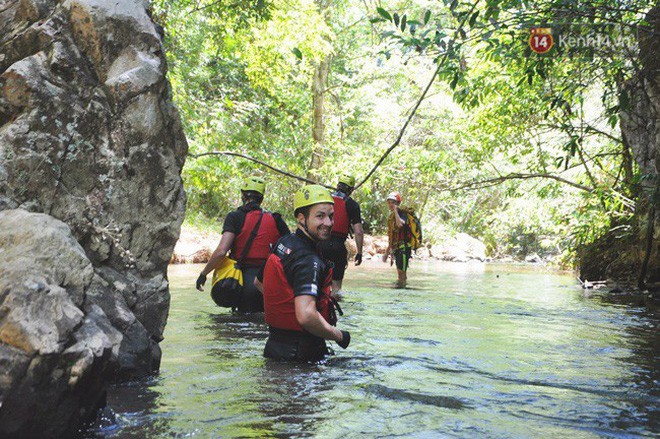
(443, 101)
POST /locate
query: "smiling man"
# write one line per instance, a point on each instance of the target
(297, 283)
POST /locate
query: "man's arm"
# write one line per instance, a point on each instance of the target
(387, 254)
(398, 221)
(355, 217)
(358, 230)
(218, 255)
(311, 320)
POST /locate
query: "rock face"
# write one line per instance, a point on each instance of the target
(88, 135)
(57, 348)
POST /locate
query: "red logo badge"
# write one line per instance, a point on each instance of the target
(540, 39)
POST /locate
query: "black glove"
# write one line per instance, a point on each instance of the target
(345, 339)
(358, 259)
(201, 280)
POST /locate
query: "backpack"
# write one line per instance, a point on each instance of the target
(413, 229)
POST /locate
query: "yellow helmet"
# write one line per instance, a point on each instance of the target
(310, 195)
(348, 180)
(255, 184)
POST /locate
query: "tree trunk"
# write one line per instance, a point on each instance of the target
(637, 259)
(319, 86)
(647, 148)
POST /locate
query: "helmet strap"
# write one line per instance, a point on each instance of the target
(306, 229)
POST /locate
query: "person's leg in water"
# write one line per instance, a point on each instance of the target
(338, 273)
(401, 257)
(252, 300)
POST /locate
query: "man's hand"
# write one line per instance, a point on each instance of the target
(345, 339)
(201, 280)
(358, 259)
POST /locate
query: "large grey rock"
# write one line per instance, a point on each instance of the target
(88, 135)
(57, 351)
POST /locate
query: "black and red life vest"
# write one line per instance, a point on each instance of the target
(342, 224)
(279, 305)
(260, 248)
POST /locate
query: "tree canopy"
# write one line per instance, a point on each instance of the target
(445, 102)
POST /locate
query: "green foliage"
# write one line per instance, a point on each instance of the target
(242, 74)
(538, 113)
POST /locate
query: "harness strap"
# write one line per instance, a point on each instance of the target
(253, 235)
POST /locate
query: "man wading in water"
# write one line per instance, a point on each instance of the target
(297, 285)
(398, 245)
(347, 217)
(236, 231)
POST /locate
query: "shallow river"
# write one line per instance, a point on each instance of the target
(467, 351)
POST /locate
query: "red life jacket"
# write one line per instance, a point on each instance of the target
(342, 225)
(279, 306)
(266, 235)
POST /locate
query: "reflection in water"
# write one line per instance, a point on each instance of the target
(289, 398)
(469, 350)
(226, 326)
(644, 408)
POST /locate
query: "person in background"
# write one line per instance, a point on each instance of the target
(347, 217)
(297, 285)
(236, 231)
(398, 247)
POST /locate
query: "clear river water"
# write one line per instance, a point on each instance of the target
(466, 351)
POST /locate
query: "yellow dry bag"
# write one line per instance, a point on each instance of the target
(227, 284)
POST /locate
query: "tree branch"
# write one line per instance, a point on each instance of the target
(420, 100)
(514, 176)
(272, 168)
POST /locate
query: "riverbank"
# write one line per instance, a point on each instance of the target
(196, 246)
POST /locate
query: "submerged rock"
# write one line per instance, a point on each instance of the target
(89, 136)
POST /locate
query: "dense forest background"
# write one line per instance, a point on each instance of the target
(481, 135)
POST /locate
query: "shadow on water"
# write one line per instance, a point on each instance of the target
(281, 397)
(135, 418)
(225, 326)
(405, 395)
